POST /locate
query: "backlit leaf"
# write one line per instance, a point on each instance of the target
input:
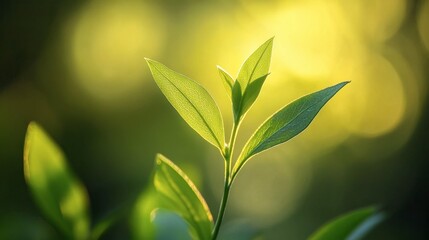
(352, 226)
(250, 95)
(142, 226)
(256, 66)
(226, 80)
(178, 194)
(61, 197)
(191, 101)
(286, 123)
(250, 79)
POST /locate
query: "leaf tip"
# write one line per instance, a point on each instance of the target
(159, 159)
(342, 84)
(32, 127)
(270, 41)
(149, 61)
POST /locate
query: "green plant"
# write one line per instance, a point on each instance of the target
(199, 110)
(172, 196)
(59, 194)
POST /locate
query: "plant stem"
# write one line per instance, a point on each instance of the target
(221, 209)
(227, 181)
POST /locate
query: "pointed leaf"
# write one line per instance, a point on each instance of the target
(191, 101)
(226, 80)
(61, 197)
(286, 123)
(256, 66)
(179, 194)
(352, 226)
(251, 93)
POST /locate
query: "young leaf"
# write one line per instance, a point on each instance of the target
(256, 65)
(250, 95)
(179, 194)
(251, 77)
(191, 101)
(226, 80)
(352, 226)
(61, 197)
(286, 123)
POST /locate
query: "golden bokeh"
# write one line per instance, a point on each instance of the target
(108, 43)
(269, 188)
(376, 104)
(374, 21)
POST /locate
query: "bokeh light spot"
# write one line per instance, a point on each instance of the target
(375, 20)
(268, 190)
(308, 37)
(109, 41)
(376, 105)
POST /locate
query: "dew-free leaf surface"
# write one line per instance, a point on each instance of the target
(351, 226)
(192, 102)
(59, 194)
(178, 194)
(286, 123)
(227, 80)
(250, 79)
(256, 65)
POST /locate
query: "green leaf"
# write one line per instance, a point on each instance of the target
(252, 93)
(352, 226)
(250, 79)
(236, 101)
(247, 100)
(61, 197)
(191, 101)
(256, 66)
(179, 194)
(286, 123)
(226, 80)
(142, 226)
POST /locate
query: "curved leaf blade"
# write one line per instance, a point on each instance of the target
(180, 195)
(58, 193)
(250, 79)
(256, 65)
(251, 93)
(192, 102)
(351, 226)
(286, 123)
(242, 103)
(226, 80)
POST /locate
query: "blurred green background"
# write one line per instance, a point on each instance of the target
(77, 68)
